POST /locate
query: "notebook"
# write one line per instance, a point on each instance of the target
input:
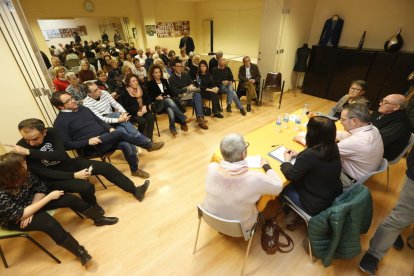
(278, 154)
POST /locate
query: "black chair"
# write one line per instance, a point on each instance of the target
(152, 109)
(241, 91)
(274, 83)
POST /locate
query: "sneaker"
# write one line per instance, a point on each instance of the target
(140, 173)
(218, 115)
(368, 264)
(228, 108)
(249, 108)
(140, 190)
(184, 127)
(398, 243)
(243, 112)
(156, 146)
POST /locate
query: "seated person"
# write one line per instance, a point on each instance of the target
(393, 124)
(355, 95)
(184, 89)
(360, 145)
(46, 157)
(164, 55)
(249, 78)
(149, 60)
(55, 63)
(24, 200)
(183, 57)
(140, 56)
(223, 77)
(160, 93)
(410, 100)
(208, 88)
(139, 70)
(80, 129)
(213, 63)
(195, 61)
(85, 73)
(103, 84)
(115, 76)
(59, 80)
(75, 89)
(166, 73)
(137, 103)
(232, 190)
(315, 176)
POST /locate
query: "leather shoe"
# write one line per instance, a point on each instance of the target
(100, 210)
(184, 127)
(202, 125)
(105, 221)
(83, 255)
(228, 108)
(140, 173)
(173, 132)
(188, 120)
(156, 146)
(369, 264)
(248, 108)
(243, 112)
(140, 190)
(218, 115)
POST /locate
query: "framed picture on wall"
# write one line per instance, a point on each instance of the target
(82, 30)
(150, 30)
(134, 32)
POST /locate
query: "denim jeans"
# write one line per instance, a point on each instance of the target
(401, 217)
(174, 113)
(198, 104)
(290, 192)
(231, 94)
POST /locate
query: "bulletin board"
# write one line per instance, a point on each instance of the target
(171, 29)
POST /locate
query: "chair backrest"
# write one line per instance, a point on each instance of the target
(75, 69)
(227, 227)
(383, 166)
(273, 81)
(405, 150)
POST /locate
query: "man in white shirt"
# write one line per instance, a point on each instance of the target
(361, 146)
(232, 190)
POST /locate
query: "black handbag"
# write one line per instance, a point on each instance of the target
(206, 110)
(158, 106)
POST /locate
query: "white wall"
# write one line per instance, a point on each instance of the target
(380, 18)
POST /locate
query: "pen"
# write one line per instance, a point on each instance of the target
(273, 146)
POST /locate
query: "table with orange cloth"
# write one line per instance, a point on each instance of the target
(266, 139)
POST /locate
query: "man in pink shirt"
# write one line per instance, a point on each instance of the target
(361, 146)
(232, 190)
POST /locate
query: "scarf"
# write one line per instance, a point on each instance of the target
(234, 168)
(136, 93)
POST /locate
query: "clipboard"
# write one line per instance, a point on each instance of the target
(278, 154)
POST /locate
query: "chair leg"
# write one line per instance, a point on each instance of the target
(388, 178)
(156, 124)
(78, 214)
(97, 177)
(247, 251)
(198, 231)
(42, 248)
(6, 265)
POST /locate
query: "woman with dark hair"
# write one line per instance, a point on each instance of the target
(24, 200)
(315, 176)
(171, 58)
(355, 95)
(209, 89)
(136, 102)
(160, 93)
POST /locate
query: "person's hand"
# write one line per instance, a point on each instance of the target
(215, 89)
(82, 174)
(252, 80)
(21, 150)
(94, 141)
(263, 161)
(144, 109)
(112, 129)
(55, 194)
(124, 118)
(159, 98)
(113, 94)
(225, 82)
(300, 139)
(289, 155)
(25, 222)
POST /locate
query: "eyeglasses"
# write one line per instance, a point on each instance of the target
(247, 145)
(384, 102)
(71, 99)
(355, 89)
(343, 120)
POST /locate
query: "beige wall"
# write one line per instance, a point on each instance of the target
(17, 103)
(380, 18)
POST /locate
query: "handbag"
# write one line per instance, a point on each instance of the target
(206, 110)
(158, 106)
(270, 239)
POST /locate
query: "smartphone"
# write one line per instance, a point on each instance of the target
(90, 169)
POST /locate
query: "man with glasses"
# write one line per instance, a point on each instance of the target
(249, 79)
(232, 189)
(81, 130)
(355, 95)
(393, 124)
(183, 88)
(360, 145)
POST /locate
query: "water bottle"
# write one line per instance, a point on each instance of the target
(298, 121)
(279, 124)
(305, 110)
(286, 120)
(198, 81)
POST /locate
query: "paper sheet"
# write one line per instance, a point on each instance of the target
(254, 161)
(278, 154)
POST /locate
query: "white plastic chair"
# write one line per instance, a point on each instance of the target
(227, 227)
(398, 158)
(383, 166)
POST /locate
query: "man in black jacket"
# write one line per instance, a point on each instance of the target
(393, 125)
(187, 43)
(47, 158)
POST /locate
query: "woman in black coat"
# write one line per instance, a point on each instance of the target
(160, 94)
(209, 89)
(136, 102)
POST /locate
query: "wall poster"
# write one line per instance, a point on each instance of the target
(171, 29)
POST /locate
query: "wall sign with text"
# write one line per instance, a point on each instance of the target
(172, 29)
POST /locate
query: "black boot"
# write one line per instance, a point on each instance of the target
(97, 218)
(79, 251)
(140, 190)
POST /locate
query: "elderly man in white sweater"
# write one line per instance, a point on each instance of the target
(232, 190)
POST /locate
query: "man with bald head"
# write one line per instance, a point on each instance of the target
(393, 125)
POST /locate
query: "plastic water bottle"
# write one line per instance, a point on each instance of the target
(279, 124)
(198, 81)
(298, 121)
(305, 110)
(286, 120)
